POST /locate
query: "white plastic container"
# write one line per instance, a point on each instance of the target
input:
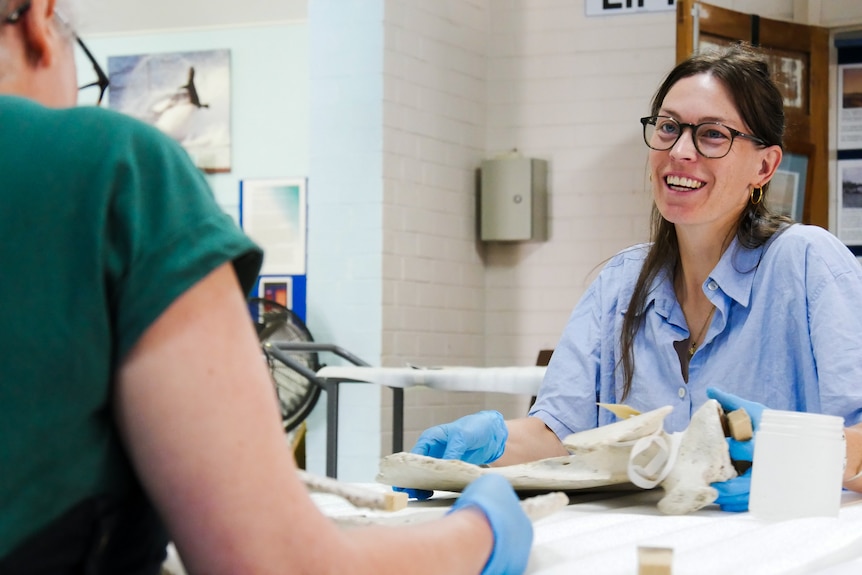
(798, 466)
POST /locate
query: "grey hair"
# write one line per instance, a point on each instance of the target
(66, 14)
(65, 20)
(67, 9)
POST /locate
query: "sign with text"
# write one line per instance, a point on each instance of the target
(611, 7)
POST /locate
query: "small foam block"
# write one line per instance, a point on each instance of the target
(739, 424)
(394, 501)
(655, 560)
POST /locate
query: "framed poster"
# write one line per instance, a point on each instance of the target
(850, 202)
(850, 106)
(789, 186)
(184, 94)
(276, 288)
(273, 214)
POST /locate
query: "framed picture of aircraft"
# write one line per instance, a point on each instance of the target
(184, 94)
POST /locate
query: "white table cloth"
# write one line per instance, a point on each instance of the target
(599, 534)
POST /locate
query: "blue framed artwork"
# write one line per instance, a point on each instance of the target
(789, 186)
(273, 212)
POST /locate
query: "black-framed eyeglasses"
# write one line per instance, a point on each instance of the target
(711, 139)
(16, 14)
(101, 81)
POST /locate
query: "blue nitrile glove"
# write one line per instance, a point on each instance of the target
(478, 438)
(733, 493)
(513, 532)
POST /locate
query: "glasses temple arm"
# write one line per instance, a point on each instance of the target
(103, 80)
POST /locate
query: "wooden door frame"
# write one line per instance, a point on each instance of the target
(805, 132)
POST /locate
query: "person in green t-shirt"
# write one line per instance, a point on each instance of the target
(134, 405)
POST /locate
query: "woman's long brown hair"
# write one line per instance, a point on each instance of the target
(745, 73)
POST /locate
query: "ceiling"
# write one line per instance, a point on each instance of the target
(96, 17)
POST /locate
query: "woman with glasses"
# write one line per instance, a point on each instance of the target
(134, 405)
(727, 301)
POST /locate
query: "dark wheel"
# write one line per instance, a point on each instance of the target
(297, 395)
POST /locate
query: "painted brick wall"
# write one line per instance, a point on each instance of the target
(433, 138)
(568, 89)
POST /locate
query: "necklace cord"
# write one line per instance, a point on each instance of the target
(694, 342)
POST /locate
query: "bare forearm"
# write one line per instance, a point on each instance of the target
(461, 547)
(207, 443)
(529, 440)
(853, 470)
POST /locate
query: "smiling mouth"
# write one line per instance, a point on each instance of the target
(683, 184)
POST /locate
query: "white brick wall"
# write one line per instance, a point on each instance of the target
(434, 126)
(568, 89)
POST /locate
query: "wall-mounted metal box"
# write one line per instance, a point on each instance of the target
(513, 199)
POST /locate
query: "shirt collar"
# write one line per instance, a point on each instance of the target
(733, 275)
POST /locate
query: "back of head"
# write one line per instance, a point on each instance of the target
(67, 9)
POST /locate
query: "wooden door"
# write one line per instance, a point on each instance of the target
(799, 60)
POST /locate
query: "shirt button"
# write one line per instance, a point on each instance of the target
(681, 392)
(712, 286)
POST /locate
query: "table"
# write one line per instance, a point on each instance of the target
(599, 534)
(514, 380)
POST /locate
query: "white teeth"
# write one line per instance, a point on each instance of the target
(683, 182)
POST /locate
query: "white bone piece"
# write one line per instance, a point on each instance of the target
(703, 458)
(600, 457)
(540, 506)
(535, 508)
(355, 494)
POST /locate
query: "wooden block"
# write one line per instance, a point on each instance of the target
(394, 501)
(655, 560)
(739, 424)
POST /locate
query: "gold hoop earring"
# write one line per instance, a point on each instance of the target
(759, 193)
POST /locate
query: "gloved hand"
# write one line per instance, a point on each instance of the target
(513, 532)
(733, 493)
(478, 438)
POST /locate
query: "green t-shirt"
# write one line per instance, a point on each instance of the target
(104, 221)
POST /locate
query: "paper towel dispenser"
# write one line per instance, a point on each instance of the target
(513, 199)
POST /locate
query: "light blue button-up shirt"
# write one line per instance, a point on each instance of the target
(787, 333)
